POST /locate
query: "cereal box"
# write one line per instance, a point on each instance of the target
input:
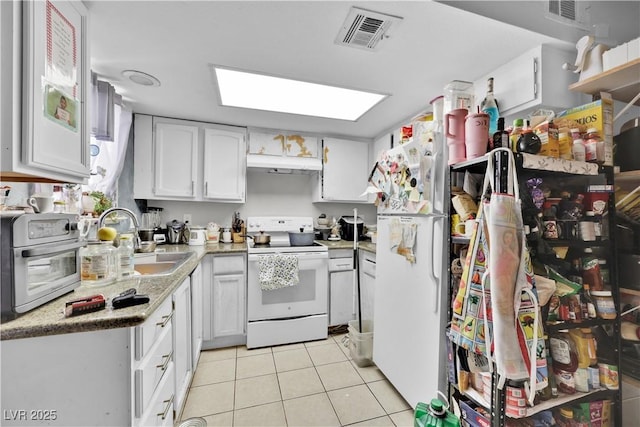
(597, 114)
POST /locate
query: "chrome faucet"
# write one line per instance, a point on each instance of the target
(134, 220)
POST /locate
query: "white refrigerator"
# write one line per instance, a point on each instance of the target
(411, 288)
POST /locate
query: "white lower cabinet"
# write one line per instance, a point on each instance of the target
(341, 289)
(161, 408)
(181, 324)
(197, 309)
(115, 377)
(367, 271)
(226, 299)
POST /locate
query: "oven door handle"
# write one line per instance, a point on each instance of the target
(50, 250)
(302, 256)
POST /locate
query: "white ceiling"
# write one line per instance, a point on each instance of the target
(177, 40)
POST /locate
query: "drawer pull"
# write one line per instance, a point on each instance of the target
(166, 320)
(167, 360)
(164, 413)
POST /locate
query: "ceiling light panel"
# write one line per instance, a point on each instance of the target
(261, 92)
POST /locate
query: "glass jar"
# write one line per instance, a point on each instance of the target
(566, 417)
(591, 271)
(59, 206)
(605, 307)
(97, 264)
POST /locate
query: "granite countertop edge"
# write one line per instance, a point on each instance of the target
(49, 319)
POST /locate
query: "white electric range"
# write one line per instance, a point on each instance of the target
(290, 314)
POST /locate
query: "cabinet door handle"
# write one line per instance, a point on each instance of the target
(167, 359)
(166, 320)
(206, 188)
(193, 185)
(164, 413)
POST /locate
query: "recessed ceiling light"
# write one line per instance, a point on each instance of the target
(261, 92)
(141, 78)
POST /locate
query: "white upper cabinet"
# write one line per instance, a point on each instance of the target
(345, 169)
(224, 165)
(186, 160)
(175, 154)
(531, 81)
(44, 116)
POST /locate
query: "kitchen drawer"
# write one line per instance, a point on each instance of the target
(147, 333)
(340, 264)
(160, 410)
(152, 369)
(341, 253)
(228, 264)
(368, 265)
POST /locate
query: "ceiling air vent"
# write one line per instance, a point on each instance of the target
(364, 29)
(568, 12)
(563, 8)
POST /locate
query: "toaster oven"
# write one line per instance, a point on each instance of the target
(40, 260)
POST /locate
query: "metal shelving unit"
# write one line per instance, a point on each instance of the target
(604, 176)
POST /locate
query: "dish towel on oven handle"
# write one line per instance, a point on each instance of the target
(276, 271)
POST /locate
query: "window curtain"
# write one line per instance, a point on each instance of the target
(107, 164)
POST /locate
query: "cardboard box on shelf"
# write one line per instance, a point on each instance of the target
(597, 114)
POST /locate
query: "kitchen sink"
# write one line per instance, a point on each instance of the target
(160, 263)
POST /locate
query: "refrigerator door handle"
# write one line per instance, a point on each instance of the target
(432, 271)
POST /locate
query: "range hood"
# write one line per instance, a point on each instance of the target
(283, 164)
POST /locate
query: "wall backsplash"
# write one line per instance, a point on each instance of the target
(267, 194)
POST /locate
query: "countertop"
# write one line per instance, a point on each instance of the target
(49, 319)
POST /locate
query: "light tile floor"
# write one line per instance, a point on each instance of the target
(305, 384)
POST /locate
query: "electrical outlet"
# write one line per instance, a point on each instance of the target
(186, 217)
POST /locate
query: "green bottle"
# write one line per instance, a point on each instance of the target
(434, 415)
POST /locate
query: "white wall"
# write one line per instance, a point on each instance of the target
(267, 194)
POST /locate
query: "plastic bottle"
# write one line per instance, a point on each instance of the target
(434, 415)
(515, 134)
(586, 347)
(125, 257)
(563, 351)
(575, 133)
(590, 145)
(587, 301)
(596, 143)
(565, 146)
(565, 360)
(578, 150)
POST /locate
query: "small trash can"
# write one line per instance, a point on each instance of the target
(361, 342)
